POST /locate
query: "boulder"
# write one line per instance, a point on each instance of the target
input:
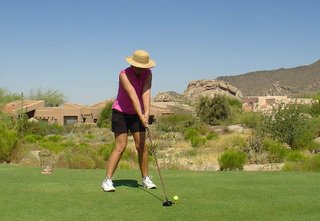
(169, 96)
(211, 88)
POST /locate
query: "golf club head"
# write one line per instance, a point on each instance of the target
(167, 203)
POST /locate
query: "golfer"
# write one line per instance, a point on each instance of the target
(130, 113)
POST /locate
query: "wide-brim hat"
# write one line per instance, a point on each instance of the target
(141, 59)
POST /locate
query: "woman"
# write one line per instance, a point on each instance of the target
(130, 112)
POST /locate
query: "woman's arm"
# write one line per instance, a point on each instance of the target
(146, 95)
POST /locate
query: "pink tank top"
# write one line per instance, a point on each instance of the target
(123, 102)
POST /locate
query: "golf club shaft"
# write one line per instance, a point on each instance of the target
(158, 168)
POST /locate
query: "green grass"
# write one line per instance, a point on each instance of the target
(26, 194)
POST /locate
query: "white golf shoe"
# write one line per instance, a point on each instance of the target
(147, 183)
(107, 185)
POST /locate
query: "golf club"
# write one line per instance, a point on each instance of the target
(153, 151)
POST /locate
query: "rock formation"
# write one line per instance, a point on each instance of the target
(210, 88)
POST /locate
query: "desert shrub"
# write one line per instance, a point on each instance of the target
(237, 142)
(315, 106)
(54, 138)
(195, 137)
(175, 122)
(89, 136)
(197, 141)
(295, 156)
(33, 138)
(25, 127)
(8, 141)
(105, 150)
(6, 121)
(80, 161)
(231, 160)
(251, 119)
(52, 146)
(311, 163)
(104, 119)
(211, 135)
(80, 157)
(277, 152)
(255, 151)
(289, 124)
(51, 128)
(213, 110)
(190, 132)
(130, 155)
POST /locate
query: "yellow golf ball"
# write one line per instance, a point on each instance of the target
(175, 198)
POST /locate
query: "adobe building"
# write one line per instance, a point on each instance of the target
(266, 103)
(69, 113)
(65, 115)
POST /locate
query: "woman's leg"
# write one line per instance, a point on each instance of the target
(121, 140)
(139, 139)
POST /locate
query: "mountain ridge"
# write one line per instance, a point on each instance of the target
(292, 81)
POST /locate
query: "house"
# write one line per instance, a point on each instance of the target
(266, 103)
(69, 113)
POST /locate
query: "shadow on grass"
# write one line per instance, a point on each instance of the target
(134, 184)
(128, 183)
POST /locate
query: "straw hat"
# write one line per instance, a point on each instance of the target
(141, 59)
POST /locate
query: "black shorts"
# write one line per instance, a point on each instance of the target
(123, 123)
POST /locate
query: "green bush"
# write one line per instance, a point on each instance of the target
(231, 160)
(80, 161)
(311, 164)
(25, 127)
(251, 119)
(33, 138)
(277, 152)
(197, 141)
(6, 120)
(52, 146)
(104, 119)
(54, 138)
(295, 156)
(213, 110)
(8, 141)
(105, 150)
(211, 135)
(195, 137)
(289, 124)
(190, 132)
(175, 122)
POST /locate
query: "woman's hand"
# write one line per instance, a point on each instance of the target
(144, 120)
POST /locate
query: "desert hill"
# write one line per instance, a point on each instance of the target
(292, 81)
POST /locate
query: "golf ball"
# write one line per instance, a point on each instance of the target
(175, 198)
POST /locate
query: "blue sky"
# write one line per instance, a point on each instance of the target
(78, 46)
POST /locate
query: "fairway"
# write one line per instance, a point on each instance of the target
(67, 194)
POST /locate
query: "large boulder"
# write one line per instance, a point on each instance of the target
(211, 88)
(169, 96)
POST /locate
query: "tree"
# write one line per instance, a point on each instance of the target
(7, 97)
(8, 142)
(52, 98)
(213, 110)
(290, 124)
(104, 119)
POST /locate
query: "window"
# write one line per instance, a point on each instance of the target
(70, 120)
